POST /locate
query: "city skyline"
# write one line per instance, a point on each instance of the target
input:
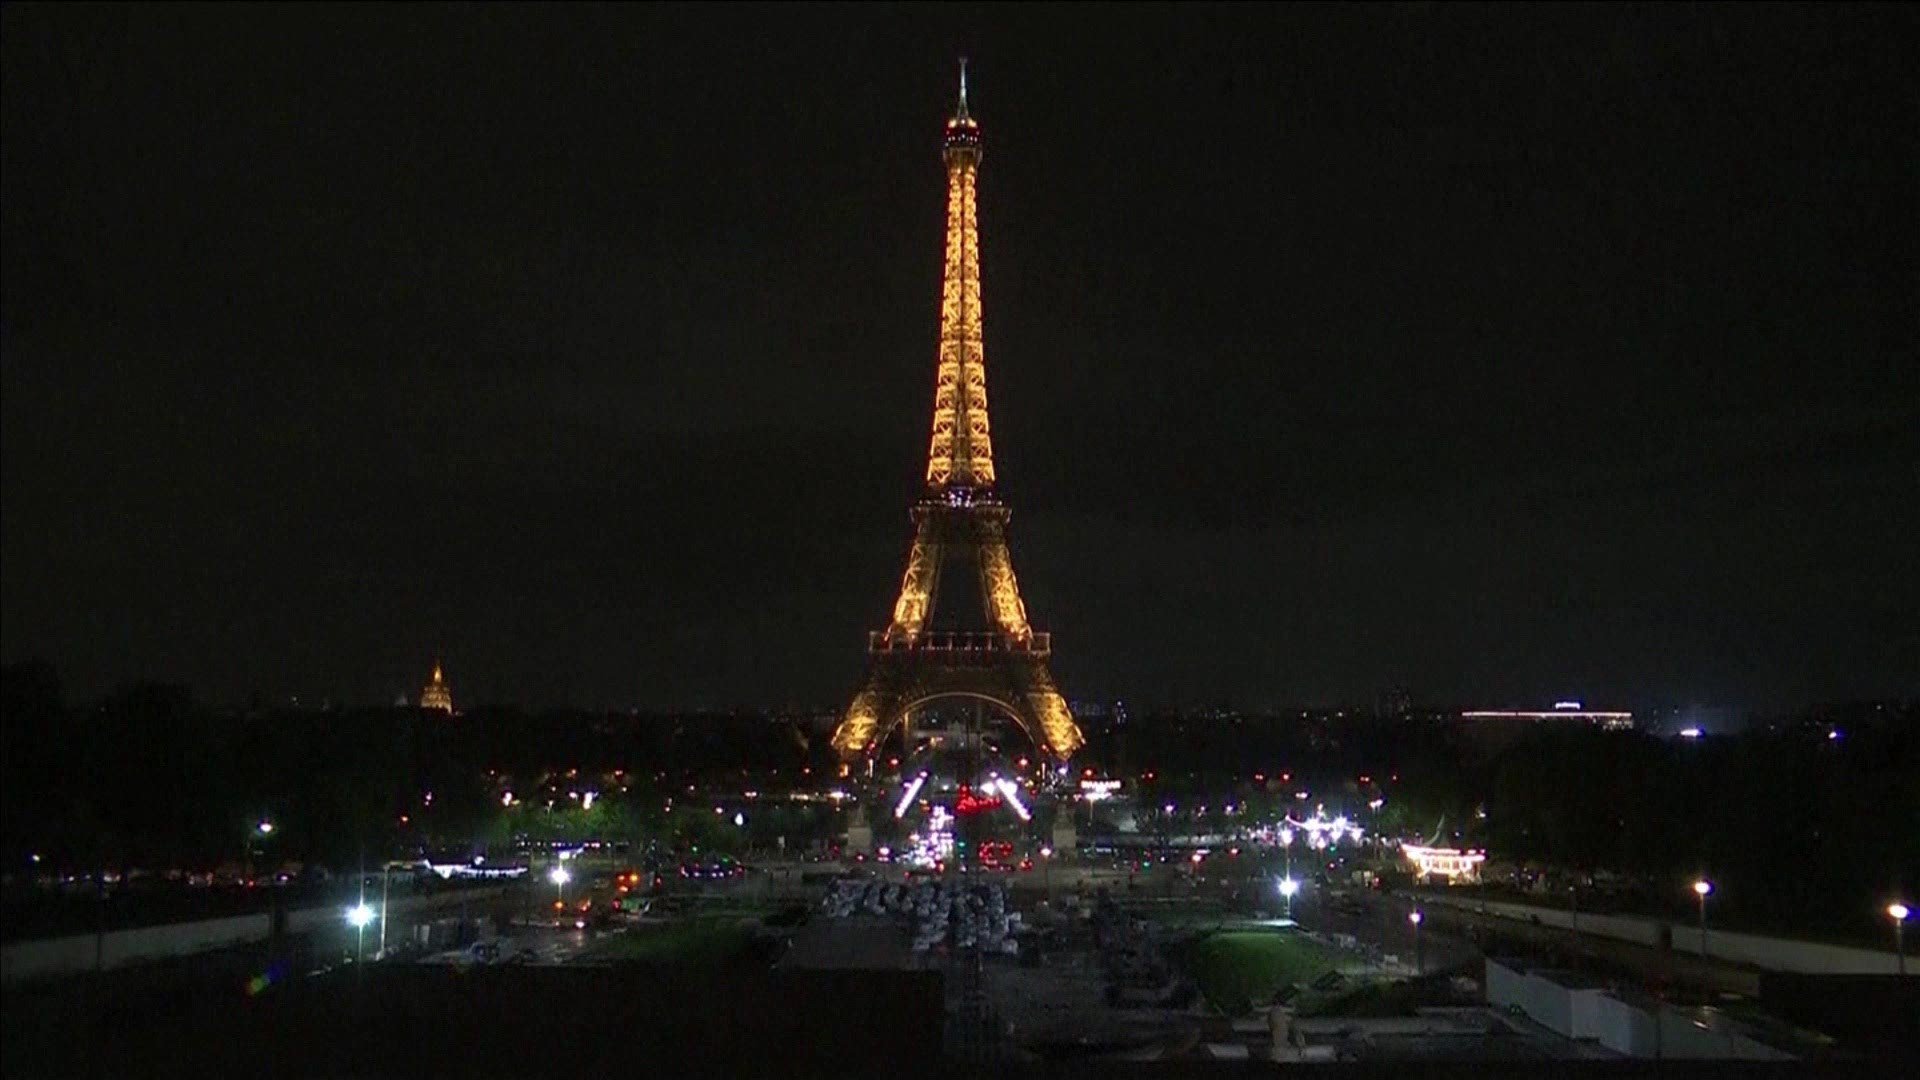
(1504, 359)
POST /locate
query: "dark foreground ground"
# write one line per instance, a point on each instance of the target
(628, 1019)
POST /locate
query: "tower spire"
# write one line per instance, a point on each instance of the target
(960, 454)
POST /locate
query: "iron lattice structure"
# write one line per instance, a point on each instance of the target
(959, 519)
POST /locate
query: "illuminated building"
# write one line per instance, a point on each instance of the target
(1562, 710)
(436, 695)
(1450, 863)
(958, 519)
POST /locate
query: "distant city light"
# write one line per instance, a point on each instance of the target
(1689, 732)
(359, 915)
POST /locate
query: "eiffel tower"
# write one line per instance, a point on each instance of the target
(958, 518)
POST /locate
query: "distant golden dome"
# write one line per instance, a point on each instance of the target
(436, 695)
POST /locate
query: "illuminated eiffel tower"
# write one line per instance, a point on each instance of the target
(958, 518)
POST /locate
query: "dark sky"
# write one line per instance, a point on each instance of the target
(1504, 355)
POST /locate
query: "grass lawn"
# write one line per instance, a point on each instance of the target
(1237, 968)
(694, 940)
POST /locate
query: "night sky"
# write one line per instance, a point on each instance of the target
(1503, 355)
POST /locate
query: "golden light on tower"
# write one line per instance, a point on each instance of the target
(959, 517)
(436, 694)
(961, 451)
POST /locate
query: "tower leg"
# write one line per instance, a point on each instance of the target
(1048, 709)
(860, 728)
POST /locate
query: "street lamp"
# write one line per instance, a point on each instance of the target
(1702, 889)
(265, 828)
(1416, 917)
(1286, 841)
(1897, 911)
(1288, 887)
(559, 876)
(358, 916)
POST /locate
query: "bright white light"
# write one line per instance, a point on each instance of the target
(1566, 704)
(1197, 857)
(586, 801)
(1288, 887)
(1011, 791)
(559, 876)
(1689, 732)
(739, 819)
(359, 915)
(906, 800)
(1833, 733)
(1168, 808)
(1047, 853)
(1415, 917)
(1286, 837)
(265, 827)
(506, 798)
(1897, 911)
(1702, 887)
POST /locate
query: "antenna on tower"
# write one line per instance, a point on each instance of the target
(963, 88)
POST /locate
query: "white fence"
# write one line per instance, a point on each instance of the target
(1753, 950)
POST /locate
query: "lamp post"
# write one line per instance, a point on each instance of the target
(386, 890)
(1416, 917)
(1702, 889)
(559, 876)
(260, 831)
(1286, 841)
(1898, 912)
(1288, 887)
(358, 916)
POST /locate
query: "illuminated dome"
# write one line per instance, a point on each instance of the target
(435, 694)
